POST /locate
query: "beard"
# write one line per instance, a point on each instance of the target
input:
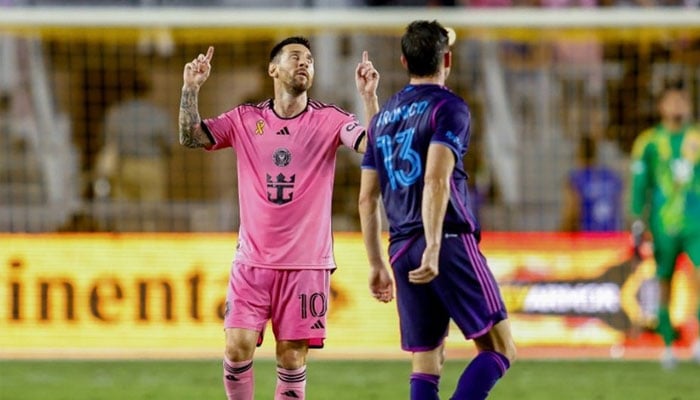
(300, 84)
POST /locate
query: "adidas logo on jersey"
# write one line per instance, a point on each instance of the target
(318, 325)
(283, 131)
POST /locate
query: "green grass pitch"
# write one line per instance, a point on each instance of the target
(340, 380)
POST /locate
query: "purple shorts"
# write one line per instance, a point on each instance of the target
(295, 301)
(464, 291)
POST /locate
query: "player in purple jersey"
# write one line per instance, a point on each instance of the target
(414, 164)
(286, 148)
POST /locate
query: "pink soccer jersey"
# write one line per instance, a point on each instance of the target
(285, 180)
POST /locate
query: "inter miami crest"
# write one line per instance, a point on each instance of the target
(282, 157)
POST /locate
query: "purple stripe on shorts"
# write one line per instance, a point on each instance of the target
(423, 348)
(481, 332)
(462, 206)
(404, 249)
(486, 284)
(490, 285)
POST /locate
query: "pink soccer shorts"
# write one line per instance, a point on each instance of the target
(294, 300)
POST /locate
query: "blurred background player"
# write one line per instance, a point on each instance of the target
(592, 194)
(133, 164)
(414, 163)
(666, 198)
(286, 149)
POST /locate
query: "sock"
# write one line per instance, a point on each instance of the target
(481, 375)
(238, 380)
(424, 386)
(291, 383)
(665, 329)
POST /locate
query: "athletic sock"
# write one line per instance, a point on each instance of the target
(238, 380)
(665, 329)
(291, 383)
(424, 386)
(480, 376)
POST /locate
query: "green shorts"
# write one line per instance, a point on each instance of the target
(667, 248)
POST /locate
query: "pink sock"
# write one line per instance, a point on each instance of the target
(238, 380)
(291, 383)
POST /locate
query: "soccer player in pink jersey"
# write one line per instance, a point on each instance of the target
(286, 148)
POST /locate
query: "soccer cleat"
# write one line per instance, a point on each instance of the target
(668, 359)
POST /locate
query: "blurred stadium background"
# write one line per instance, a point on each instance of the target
(108, 274)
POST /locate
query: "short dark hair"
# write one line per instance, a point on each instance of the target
(290, 40)
(423, 45)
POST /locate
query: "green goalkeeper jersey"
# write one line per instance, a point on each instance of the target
(666, 179)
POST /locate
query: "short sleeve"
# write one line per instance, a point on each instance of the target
(222, 129)
(351, 132)
(452, 125)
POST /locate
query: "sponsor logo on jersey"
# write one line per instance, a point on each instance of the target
(284, 131)
(282, 188)
(318, 325)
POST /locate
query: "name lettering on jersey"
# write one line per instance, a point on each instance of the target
(282, 157)
(283, 131)
(259, 127)
(281, 186)
(402, 113)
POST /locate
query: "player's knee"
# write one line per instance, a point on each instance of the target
(239, 350)
(236, 354)
(291, 355)
(429, 362)
(510, 351)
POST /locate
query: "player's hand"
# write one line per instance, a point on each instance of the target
(366, 77)
(381, 284)
(429, 268)
(197, 71)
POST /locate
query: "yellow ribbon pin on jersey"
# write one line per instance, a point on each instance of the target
(259, 127)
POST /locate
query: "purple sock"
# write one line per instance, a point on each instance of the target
(480, 376)
(424, 386)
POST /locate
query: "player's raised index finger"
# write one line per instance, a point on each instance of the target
(210, 53)
(365, 56)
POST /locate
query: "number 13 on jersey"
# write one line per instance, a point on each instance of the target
(401, 176)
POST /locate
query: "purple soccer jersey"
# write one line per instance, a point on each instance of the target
(400, 135)
(465, 290)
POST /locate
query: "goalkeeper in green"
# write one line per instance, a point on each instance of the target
(666, 195)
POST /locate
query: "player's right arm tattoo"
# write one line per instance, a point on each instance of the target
(191, 133)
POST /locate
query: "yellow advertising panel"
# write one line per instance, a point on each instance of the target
(151, 295)
(103, 295)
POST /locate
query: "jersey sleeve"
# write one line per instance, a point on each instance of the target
(222, 129)
(640, 169)
(451, 126)
(351, 132)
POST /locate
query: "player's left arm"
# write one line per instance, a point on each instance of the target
(380, 282)
(436, 194)
(367, 81)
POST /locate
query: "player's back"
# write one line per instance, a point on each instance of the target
(401, 134)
